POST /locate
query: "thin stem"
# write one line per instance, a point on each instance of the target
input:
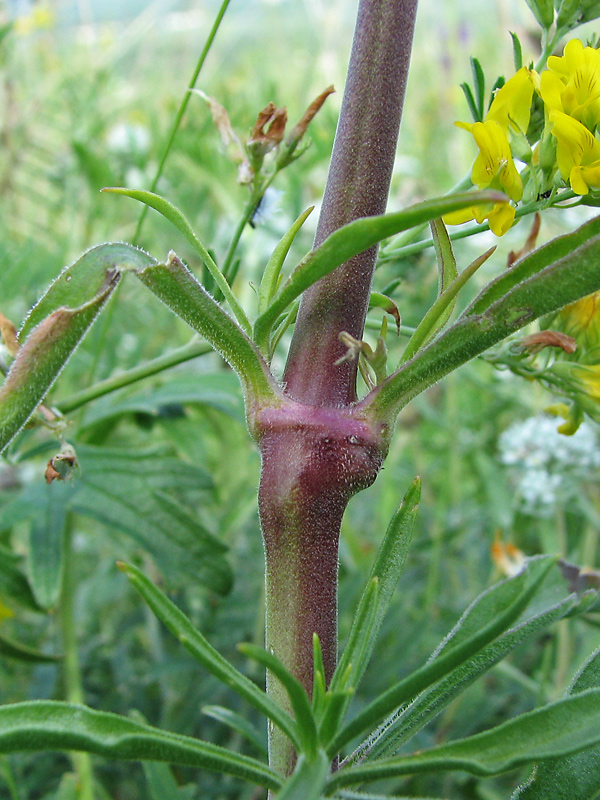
(72, 672)
(247, 214)
(191, 350)
(181, 111)
(464, 233)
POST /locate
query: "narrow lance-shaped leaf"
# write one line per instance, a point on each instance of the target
(298, 698)
(55, 326)
(349, 240)
(433, 671)
(46, 544)
(41, 357)
(271, 276)
(573, 276)
(439, 313)
(545, 256)
(83, 280)
(405, 723)
(555, 730)
(175, 285)
(181, 627)
(46, 725)
(239, 724)
(387, 569)
(574, 777)
(175, 216)
(308, 779)
(9, 648)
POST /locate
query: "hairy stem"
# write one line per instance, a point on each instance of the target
(316, 449)
(313, 461)
(357, 186)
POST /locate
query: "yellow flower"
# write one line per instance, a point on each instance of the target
(577, 153)
(581, 320)
(572, 84)
(511, 106)
(494, 168)
(588, 376)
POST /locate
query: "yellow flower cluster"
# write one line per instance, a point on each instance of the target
(581, 320)
(570, 91)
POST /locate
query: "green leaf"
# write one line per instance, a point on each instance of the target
(272, 274)
(517, 51)
(478, 84)
(46, 544)
(9, 648)
(439, 313)
(219, 390)
(239, 724)
(495, 315)
(558, 729)
(468, 93)
(387, 568)
(345, 795)
(132, 493)
(545, 256)
(574, 777)
(174, 215)
(378, 300)
(41, 357)
(175, 285)
(308, 779)
(83, 280)
(195, 643)
(403, 725)
(55, 326)
(45, 725)
(14, 586)
(354, 238)
(299, 701)
(447, 660)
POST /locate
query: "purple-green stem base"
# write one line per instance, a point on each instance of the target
(313, 460)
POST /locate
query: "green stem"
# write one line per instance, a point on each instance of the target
(191, 350)
(418, 247)
(258, 192)
(82, 762)
(404, 239)
(181, 111)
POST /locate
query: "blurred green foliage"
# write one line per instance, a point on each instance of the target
(88, 103)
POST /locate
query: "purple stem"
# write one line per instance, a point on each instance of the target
(317, 451)
(357, 186)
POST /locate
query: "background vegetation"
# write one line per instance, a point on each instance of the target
(89, 93)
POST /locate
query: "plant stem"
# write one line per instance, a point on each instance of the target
(316, 451)
(82, 762)
(357, 186)
(313, 460)
(191, 350)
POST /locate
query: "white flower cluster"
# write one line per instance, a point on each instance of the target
(547, 465)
